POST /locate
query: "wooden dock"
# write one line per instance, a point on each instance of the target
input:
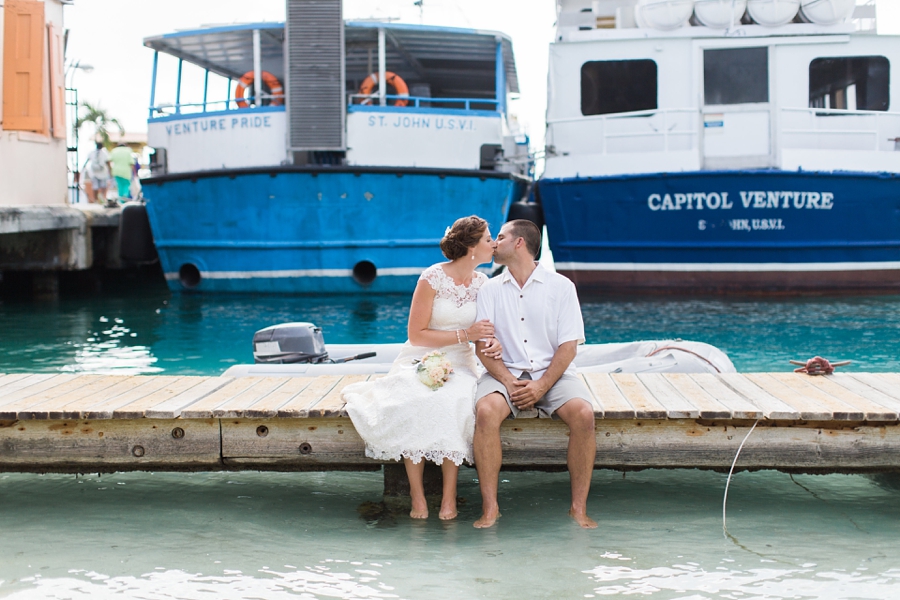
(88, 423)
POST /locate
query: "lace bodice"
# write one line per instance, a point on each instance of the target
(454, 305)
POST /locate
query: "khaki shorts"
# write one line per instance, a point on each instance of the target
(566, 388)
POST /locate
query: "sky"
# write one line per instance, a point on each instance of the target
(108, 35)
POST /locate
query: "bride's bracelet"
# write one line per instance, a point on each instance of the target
(458, 340)
(468, 341)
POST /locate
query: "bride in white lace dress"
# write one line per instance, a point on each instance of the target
(398, 416)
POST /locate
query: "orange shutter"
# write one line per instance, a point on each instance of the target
(23, 61)
(57, 83)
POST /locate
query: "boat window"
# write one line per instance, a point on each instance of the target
(850, 83)
(618, 86)
(736, 75)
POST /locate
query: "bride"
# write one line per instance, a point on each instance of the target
(398, 415)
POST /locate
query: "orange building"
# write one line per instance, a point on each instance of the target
(32, 112)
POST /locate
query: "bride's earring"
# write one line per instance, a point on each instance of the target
(473, 256)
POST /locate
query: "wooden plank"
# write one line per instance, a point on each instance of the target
(645, 405)
(292, 442)
(33, 385)
(48, 404)
(878, 382)
(839, 410)
(88, 445)
(268, 405)
(595, 405)
(143, 386)
(8, 379)
(872, 411)
(608, 396)
(73, 410)
(202, 408)
(237, 406)
(740, 407)
(891, 378)
(677, 406)
(809, 409)
(71, 388)
(707, 406)
(772, 407)
(298, 407)
(858, 382)
(332, 403)
(167, 405)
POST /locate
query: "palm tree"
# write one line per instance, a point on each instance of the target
(93, 113)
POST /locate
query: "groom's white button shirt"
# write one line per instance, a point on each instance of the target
(532, 321)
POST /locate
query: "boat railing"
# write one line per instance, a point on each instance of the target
(194, 108)
(840, 129)
(368, 101)
(637, 131)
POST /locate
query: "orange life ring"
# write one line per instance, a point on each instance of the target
(275, 89)
(393, 80)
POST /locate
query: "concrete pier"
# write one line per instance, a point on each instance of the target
(46, 240)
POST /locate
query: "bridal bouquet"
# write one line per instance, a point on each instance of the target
(434, 369)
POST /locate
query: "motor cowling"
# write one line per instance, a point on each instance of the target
(289, 343)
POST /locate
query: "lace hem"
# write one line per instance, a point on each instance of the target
(416, 456)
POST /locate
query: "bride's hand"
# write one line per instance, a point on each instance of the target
(480, 330)
(493, 349)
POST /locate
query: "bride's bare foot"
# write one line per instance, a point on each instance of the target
(448, 510)
(582, 519)
(488, 518)
(419, 510)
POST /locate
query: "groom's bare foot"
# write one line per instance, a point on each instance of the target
(488, 519)
(582, 519)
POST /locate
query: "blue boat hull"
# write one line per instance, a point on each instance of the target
(321, 230)
(746, 231)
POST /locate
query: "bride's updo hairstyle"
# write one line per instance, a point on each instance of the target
(465, 233)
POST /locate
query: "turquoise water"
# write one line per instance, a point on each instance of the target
(145, 329)
(252, 535)
(303, 535)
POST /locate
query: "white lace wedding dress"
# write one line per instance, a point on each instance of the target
(397, 415)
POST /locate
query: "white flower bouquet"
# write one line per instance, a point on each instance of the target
(434, 369)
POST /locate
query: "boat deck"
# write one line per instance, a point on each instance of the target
(845, 422)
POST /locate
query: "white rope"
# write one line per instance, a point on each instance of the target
(731, 471)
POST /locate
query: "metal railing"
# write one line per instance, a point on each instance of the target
(822, 128)
(423, 102)
(641, 119)
(194, 108)
(821, 124)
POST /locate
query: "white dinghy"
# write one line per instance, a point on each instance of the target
(298, 349)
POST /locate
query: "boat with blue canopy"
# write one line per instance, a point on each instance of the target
(309, 176)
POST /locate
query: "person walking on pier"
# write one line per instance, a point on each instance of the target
(97, 168)
(538, 321)
(423, 407)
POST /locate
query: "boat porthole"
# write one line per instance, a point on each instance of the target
(364, 272)
(189, 275)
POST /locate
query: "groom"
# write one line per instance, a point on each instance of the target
(537, 319)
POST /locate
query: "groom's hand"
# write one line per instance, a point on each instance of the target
(526, 393)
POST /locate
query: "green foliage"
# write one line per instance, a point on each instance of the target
(93, 113)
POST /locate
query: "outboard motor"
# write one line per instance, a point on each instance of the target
(295, 343)
(289, 343)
